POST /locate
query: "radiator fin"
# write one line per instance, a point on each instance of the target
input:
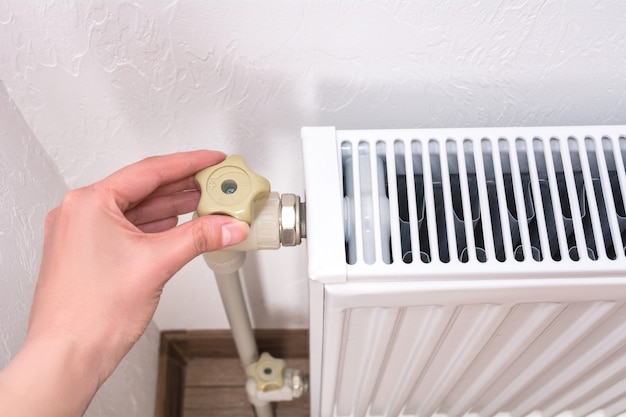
(499, 202)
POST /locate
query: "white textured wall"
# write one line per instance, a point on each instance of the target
(30, 185)
(104, 83)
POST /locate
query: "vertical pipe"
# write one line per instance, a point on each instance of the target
(231, 292)
(230, 289)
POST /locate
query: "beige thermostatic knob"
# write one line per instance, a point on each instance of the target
(231, 188)
(267, 372)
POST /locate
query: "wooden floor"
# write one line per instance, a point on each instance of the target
(200, 374)
(215, 387)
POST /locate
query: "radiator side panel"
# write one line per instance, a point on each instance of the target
(435, 355)
(324, 203)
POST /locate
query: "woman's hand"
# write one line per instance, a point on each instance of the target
(109, 249)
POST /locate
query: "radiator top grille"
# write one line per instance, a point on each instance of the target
(489, 200)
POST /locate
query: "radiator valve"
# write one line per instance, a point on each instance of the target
(270, 380)
(231, 188)
(267, 372)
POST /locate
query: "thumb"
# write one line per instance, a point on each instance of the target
(202, 234)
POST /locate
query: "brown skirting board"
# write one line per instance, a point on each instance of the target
(180, 346)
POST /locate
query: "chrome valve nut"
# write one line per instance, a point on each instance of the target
(290, 220)
(299, 383)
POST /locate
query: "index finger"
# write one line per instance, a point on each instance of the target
(135, 182)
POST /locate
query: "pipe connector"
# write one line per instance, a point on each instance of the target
(292, 220)
(280, 222)
(299, 383)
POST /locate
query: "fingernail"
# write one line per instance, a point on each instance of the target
(234, 232)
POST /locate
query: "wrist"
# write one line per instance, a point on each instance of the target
(62, 375)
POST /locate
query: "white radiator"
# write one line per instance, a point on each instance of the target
(467, 271)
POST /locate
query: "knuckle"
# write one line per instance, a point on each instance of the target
(72, 199)
(50, 218)
(82, 199)
(151, 159)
